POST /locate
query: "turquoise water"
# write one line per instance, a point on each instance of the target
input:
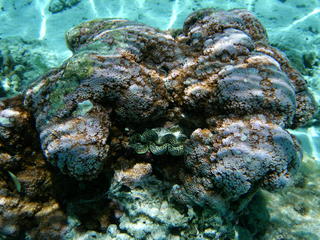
(32, 41)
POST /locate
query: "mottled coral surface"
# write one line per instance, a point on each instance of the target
(218, 70)
(231, 93)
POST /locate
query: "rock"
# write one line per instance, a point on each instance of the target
(148, 213)
(56, 6)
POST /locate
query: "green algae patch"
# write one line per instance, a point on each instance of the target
(86, 31)
(61, 88)
(110, 47)
(81, 66)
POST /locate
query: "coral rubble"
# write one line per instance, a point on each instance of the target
(218, 79)
(22, 61)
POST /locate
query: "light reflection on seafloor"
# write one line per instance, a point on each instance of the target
(292, 25)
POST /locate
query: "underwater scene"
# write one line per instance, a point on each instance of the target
(159, 120)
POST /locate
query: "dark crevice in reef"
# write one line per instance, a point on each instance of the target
(125, 127)
(87, 200)
(167, 168)
(254, 219)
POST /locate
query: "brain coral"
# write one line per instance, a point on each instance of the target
(217, 78)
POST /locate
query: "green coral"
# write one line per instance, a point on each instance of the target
(80, 68)
(159, 141)
(61, 89)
